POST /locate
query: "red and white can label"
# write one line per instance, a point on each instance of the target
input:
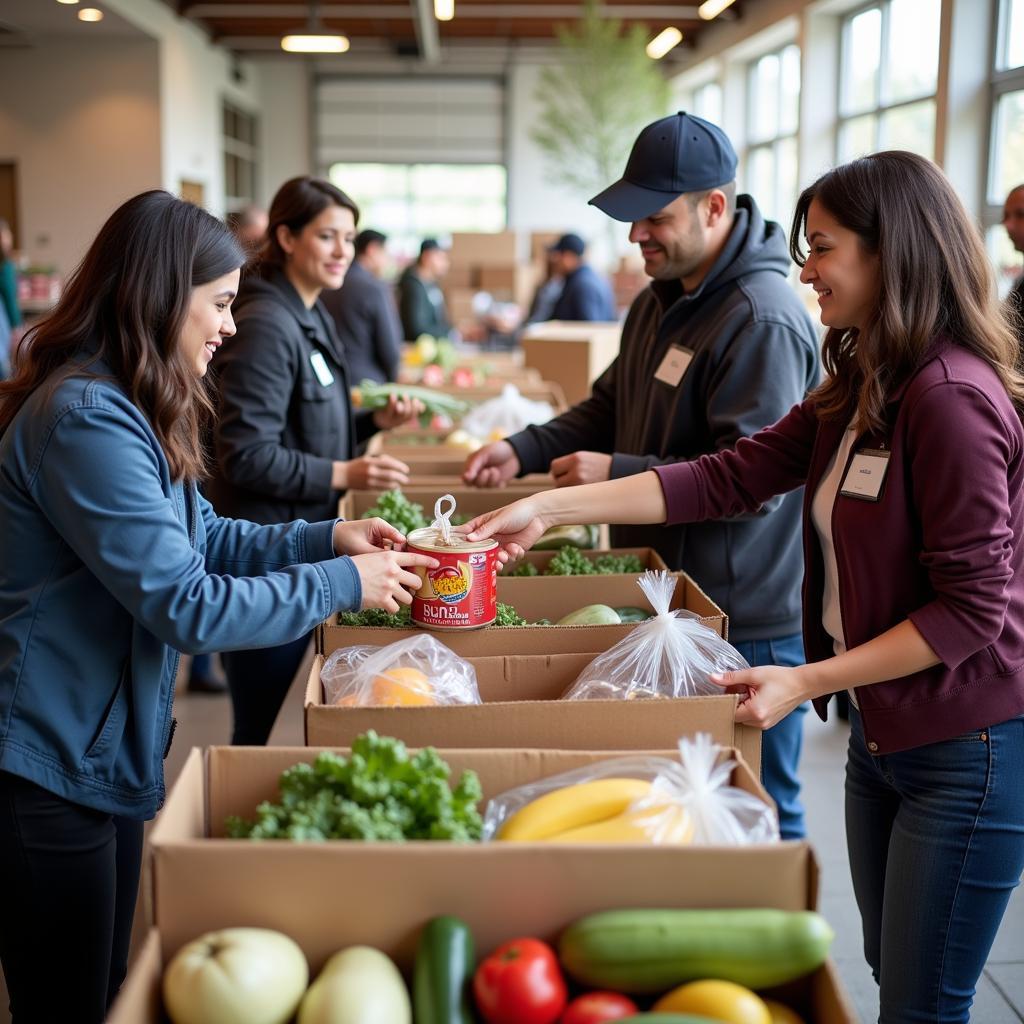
(461, 593)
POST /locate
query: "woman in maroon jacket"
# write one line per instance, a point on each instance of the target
(912, 453)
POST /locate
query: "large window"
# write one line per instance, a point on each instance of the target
(241, 155)
(888, 76)
(1006, 149)
(773, 117)
(707, 102)
(409, 202)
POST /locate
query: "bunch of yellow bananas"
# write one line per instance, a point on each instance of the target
(602, 811)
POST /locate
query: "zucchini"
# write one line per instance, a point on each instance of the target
(633, 614)
(443, 972)
(638, 951)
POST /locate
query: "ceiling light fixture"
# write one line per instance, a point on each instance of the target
(90, 14)
(712, 8)
(444, 10)
(663, 42)
(68, 2)
(315, 40)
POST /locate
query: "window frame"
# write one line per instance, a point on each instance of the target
(240, 150)
(880, 107)
(773, 143)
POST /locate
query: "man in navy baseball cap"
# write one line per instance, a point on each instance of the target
(680, 153)
(715, 348)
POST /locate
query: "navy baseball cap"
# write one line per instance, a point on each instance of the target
(569, 243)
(680, 153)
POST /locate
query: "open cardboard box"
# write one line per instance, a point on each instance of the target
(469, 501)
(559, 596)
(649, 558)
(331, 895)
(522, 707)
(572, 355)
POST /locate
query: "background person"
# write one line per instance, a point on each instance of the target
(286, 433)
(113, 561)
(250, 227)
(364, 313)
(1013, 221)
(585, 295)
(420, 299)
(715, 348)
(912, 452)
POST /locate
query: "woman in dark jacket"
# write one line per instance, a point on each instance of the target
(286, 434)
(912, 457)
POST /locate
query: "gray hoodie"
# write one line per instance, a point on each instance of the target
(754, 356)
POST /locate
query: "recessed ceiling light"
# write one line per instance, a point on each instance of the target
(444, 10)
(712, 8)
(68, 2)
(315, 43)
(663, 42)
(90, 14)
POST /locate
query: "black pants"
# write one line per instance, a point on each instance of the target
(70, 878)
(259, 681)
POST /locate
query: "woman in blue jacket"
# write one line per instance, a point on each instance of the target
(111, 562)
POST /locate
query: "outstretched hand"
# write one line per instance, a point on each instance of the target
(767, 693)
(516, 527)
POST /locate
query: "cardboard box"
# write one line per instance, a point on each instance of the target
(523, 708)
(484, 249)
(540, 242)
(572, 355)
(331, 895)
(470, 501)
(649, 558)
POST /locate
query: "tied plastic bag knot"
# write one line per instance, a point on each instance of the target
(416, 672)
(670, 655)
(442, 524)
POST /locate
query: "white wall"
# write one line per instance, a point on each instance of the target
(285, 118)
(83, 125)
(195, 77)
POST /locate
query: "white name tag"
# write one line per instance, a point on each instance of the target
(674, 365)
(866, 474)
(321, 369)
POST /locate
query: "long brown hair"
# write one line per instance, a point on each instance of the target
(935, 280)
(126, 304)
(295, 204)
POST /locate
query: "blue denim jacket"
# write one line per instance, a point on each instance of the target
(107, 570)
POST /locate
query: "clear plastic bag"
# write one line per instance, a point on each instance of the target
(669, 655)
(416, 672)
(639, 799)
(507, 414)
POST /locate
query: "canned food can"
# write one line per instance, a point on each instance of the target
(462, 592)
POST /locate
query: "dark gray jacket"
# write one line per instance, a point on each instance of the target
(364, 313)
(754, 356)
(421, 304)
(280, 426)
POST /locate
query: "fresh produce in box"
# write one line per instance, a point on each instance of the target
(379, 793)
(639, 799)
(782, 1014)
(591, 615)
(652, 951)
(444, 973)
(598, 1007)
(371, 395)
(520, 983)
(236, 976)
(359, 985)
(402, 619)
(720, 1000)
(573, 536)
(418, 671)
(395, 508)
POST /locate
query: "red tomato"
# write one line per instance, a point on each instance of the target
(597, 1007)
(520, 983)
(433, 376)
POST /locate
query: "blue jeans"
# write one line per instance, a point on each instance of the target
(936, 843)
(781, 744)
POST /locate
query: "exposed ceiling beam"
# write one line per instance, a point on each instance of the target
(427, 36)
(654, 12)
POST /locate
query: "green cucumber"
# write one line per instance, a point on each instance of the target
(633, 614)
(591, 615)
(443, 972)
(638, 951)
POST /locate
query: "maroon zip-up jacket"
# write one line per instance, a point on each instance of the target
(942, 546)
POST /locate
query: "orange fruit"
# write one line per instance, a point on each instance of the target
(402, 687)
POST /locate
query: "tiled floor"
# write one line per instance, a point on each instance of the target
(204, 721)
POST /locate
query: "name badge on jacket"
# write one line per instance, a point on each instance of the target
(321, 369)
(675, 364)
(866, 475)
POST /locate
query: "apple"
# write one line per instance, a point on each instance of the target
(236, 976)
